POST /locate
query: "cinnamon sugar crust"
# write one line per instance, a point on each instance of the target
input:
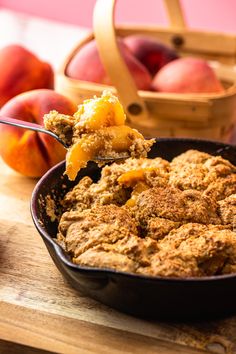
(154, 217)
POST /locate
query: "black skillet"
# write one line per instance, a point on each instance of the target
(175, 298)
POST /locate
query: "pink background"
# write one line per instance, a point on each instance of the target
(203, 14)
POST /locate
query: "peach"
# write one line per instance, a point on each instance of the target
(22, 71)
(28, 152)
(187, 75)
(150, 52)
(87, 66)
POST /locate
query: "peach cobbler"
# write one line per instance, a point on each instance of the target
(154, 217)
(97, 129)
(143, 216)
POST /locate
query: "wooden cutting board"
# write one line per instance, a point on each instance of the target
(38, 309)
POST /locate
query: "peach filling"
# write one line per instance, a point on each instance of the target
(96, 130)
(139, 188)
(90, 146)
(100, 112)
(131, 178)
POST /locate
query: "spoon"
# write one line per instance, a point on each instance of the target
(31, 126)
(39, 128)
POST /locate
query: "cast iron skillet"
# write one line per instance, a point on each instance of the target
(175, 298)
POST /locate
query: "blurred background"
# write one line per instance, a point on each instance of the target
(51, 28)
(204, 14)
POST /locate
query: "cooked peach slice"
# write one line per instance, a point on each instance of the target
(110, 139)
(100, 112)
(121, 137)
(139, 188)
(78, 155)
(131, 178)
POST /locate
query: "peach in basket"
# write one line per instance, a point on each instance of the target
(97, 129)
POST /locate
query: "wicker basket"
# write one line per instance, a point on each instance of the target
(160, 114)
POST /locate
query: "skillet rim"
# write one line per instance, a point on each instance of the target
(107, 271)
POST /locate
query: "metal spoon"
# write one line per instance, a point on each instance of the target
(31, 126)
(39, 128)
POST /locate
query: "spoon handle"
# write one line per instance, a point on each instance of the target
(28, 125)
(22, 124)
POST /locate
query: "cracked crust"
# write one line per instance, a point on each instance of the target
(176, 205)
(153, 217)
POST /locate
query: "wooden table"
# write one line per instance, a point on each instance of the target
(40, 312)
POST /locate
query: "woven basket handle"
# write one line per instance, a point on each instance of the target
(105, 35)
(175, 14)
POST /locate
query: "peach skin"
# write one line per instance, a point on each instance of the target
(28, 152)
(22, 71)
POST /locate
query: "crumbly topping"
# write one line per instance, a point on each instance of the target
(97, 129)
(154, 217)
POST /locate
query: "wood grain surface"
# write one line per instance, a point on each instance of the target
(39, 310)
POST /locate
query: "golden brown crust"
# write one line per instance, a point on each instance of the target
(211, 246)
(222, 187)
(157, 228)
(190, 156)
(227, 211)
(197, 170)
(155, 218)
(61, 125)
(172, 264)
(93, 227)
(176, 205)
(102, 259)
